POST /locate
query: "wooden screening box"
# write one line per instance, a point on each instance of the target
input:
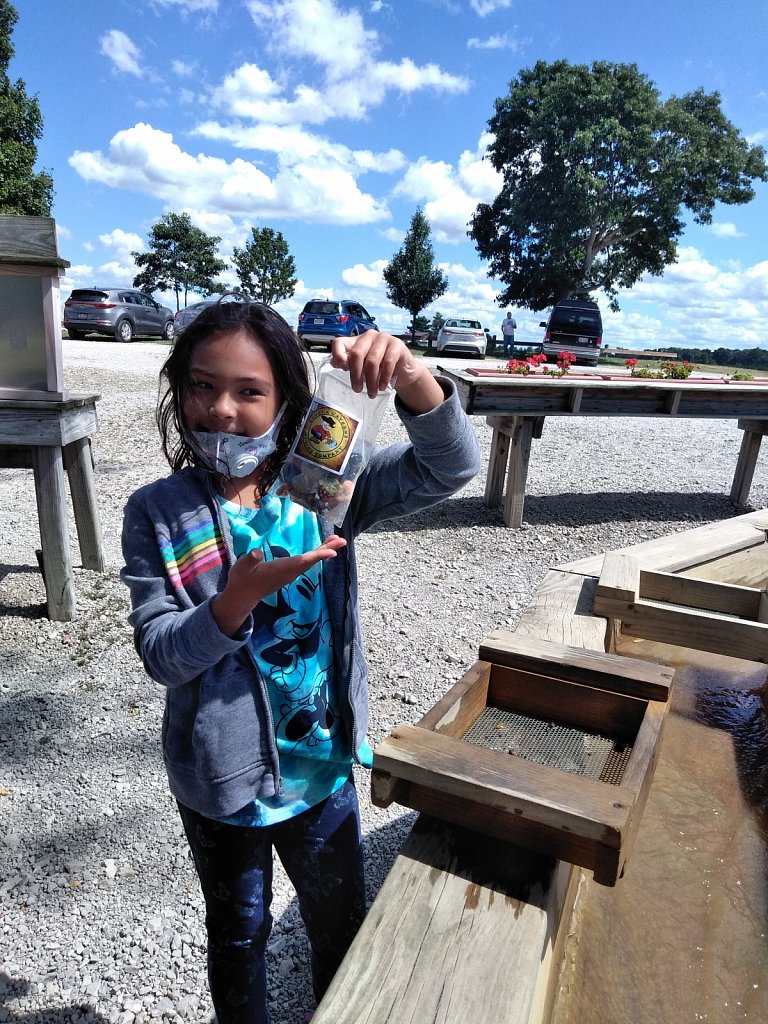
(545, 746)
(690, 610)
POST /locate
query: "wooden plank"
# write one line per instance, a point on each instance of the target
(82, 487)
(745, 466)
(589, 708)
(593, 668)
(747, 568)
(727, 599)
(517, 472)
(52, 514)
(703, 631)
(460, 707)
(562, 610)
(22, 236)
(574, 403)
(604, 859)
(497, 466)
(680, 551)
(620, 576)
(436, 962)
(762, 612)
(498, 783)
(672, 404)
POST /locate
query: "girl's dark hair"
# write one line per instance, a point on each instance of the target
(287, 359)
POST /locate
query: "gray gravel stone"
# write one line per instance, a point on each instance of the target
(101, 920)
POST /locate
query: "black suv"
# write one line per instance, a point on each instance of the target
(574, 326)
(322, 320)
(121, 313)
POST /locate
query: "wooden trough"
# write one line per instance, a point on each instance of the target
(538, 744)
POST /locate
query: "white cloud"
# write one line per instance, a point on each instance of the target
(449, 194)
(485, 7)
(190, 6)
(294, 146)
(337, 42)
(123, 243)
(318, 29)
(365, 278)
(123, 53)
(145, 160)
(705, 305)
(497, 42)
(182, 68)
(726, 230)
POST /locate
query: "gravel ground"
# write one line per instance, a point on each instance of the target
(100, 917)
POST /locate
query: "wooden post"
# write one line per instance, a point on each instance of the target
(745, 467)
(526, 428)
(79, 462)
(52, 512)
(497, 465)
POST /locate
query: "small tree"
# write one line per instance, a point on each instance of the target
(265, 267)
(597, 171)
(413, 281)
(437, 322)
(421, 323)
(22, 191)
(181, 258)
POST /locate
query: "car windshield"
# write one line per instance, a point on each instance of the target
(581, 318)
(472, 324)
(88, 295)
(322, 307)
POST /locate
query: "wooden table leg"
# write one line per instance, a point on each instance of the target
(517, 476)
(497, 464)
(47, 463)
(79, 463)
(745, 466)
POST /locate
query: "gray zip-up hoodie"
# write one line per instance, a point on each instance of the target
(218, 737)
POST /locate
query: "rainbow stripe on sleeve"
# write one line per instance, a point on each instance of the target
(192, 554)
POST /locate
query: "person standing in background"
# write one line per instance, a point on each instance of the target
(508, 328)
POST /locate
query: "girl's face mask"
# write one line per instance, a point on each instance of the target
(234, 455)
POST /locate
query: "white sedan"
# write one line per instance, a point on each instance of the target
(460, 335)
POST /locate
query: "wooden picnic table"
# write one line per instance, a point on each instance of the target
(515, 406)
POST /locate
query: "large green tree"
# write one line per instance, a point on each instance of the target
(412, 279)
(180, 258)
(597, 171)
(265, 267)
(22, 190)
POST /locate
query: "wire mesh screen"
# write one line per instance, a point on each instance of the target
(550, 743)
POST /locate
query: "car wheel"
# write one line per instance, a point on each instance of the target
(75, 335)
(124, 331)
(169, 330)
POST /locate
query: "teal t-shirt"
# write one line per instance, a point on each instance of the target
(292, 646)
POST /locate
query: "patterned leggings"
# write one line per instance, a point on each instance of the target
(322, 854)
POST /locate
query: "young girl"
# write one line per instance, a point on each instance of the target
(245, 608)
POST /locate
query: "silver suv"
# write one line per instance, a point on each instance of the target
(121, 313)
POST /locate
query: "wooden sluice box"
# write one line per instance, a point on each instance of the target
(548, 747)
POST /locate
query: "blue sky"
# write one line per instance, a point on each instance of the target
(332, 121)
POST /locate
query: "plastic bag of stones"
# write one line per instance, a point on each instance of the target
(333, 445)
